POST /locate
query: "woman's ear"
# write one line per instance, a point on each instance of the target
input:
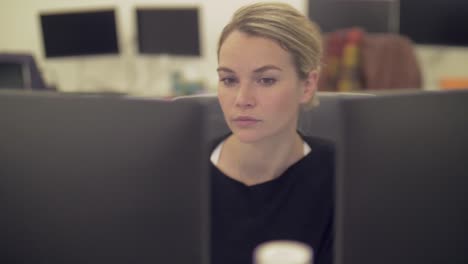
(309, 86)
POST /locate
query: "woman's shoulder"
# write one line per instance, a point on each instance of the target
(322, 153)
(320, 144)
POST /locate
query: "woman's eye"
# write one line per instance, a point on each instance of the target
(267, 81)
(228, 81)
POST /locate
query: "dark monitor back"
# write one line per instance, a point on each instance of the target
(371, 15)
(79, 33)
(12, 75)
(96, 179)
(402, 180)
(173, 31)
(444, 23)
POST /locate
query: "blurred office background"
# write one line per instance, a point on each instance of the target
(131, 59)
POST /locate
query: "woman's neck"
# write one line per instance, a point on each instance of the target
(254, 163)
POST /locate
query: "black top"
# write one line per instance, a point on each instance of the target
(298, 205)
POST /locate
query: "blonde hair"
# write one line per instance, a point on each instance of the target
(284, 24)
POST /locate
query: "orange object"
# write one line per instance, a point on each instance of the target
(454, 83)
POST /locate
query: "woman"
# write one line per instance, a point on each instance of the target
(269, 182)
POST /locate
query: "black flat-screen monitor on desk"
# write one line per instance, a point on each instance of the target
(441, 23)
(171, 31)
(101, 179)
(402, 180)
(79, 33)
(371, 15)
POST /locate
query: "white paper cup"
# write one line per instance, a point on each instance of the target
(283, 252)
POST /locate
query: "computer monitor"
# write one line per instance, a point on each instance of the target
(101, 179)
(444, 23)
(375, 16)
(13, 75)
(79, 33)
(402, 180)
(169, 31)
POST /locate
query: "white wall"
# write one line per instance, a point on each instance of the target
(442, 62)
(128, 72)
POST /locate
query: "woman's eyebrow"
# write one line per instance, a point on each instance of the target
(258, 70)
(224, 69)
(266, 68)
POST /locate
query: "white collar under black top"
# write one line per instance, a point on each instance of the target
(217, 152)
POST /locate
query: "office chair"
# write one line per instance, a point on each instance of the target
(20, 71)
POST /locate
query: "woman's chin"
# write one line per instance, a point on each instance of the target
(248, 136)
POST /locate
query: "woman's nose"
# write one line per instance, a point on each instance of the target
(245, 97)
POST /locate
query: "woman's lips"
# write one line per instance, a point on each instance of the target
(245, 121)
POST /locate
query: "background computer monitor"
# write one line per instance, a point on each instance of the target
(172, 31)
(376, 16)
(101, 179)
(402, 177)
(79, 33)
(444, 23)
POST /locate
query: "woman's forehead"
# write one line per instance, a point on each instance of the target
(244, 50)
